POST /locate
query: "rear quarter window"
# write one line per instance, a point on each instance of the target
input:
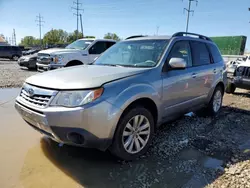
(215, 53)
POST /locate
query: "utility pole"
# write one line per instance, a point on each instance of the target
(189, 11)
(39, 19)
(81, 24)
(77, 14)
(157, 30)
(14, 37)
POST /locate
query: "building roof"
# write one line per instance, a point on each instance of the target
(2, 39)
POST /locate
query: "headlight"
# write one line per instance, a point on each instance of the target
(57, 58)
(26, 59)
(76, 98)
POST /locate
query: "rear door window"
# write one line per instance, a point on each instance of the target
(200, 54)
(215, 53)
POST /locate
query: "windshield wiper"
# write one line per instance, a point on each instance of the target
(112, 65)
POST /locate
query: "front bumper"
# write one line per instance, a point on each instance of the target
(23, 63)
(45, 67)
(91, 126)
(240, 82)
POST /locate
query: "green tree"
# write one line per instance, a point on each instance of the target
(29, 41)
(55, 36)
(112, 36)
(72, 36)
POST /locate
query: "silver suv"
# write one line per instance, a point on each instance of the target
(136, 85)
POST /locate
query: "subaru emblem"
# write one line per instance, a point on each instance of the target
(30, 92)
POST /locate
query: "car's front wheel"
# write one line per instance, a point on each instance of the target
(134, 134)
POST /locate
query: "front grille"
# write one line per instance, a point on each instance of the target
(246, 72)
(38, 100)
(36, 96)
(43, 58)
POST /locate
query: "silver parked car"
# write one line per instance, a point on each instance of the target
(136, 85)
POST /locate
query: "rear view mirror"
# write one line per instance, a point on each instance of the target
(177, 63)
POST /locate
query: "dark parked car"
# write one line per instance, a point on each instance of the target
(10, 52)
(28, 61)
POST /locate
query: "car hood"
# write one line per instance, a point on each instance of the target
(31, 55)
(82, 77)
(57, 51)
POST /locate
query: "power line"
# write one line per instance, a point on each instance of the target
(77, 14)
(39, 19)
(189, 11)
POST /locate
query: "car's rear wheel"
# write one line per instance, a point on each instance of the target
(230, 88)
(214, 105)
(15, 57)
(134, 134)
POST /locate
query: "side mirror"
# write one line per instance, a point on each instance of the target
(177, 63)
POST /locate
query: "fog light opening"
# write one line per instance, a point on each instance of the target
(76, 138)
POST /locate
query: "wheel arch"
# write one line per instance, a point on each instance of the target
(73, 63)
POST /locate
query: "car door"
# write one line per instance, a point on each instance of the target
(178, 85)
(203, 69)
(4, 51)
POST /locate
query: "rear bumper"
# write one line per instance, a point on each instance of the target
(91, 127)
(46, 67)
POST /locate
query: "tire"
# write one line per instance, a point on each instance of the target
(15, 57)
(73, 63)
(230, 88)
(120, 146)
(210, 110)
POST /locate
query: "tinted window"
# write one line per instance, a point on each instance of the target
(200, 54)
(100, 47)
(15, 48)
(215, 53)
(181, 49)
(5, 48)
(109, 44)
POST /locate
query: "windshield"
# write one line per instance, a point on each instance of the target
(79, 44)
(141, 53)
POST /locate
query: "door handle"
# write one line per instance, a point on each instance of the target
(194, 75)
(214, 71)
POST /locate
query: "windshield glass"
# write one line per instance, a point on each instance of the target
(141, 53)
(79, 44)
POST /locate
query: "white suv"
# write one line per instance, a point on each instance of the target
(82, 51)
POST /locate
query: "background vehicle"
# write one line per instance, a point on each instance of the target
(10, 52)
(131, 89)
(238, 75)
(29, 52)
(28, 61)
(82, 51)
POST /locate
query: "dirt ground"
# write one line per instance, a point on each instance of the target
(12, 75)
(189, 152)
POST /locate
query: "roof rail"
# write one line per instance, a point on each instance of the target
(194, 34)
(135, 36)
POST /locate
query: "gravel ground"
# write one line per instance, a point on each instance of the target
(189, 152)
(12, 75)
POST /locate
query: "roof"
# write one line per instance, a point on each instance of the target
(94, 39)
(2, 39)
(158, 37)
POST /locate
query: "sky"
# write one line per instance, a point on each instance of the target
(127, 17)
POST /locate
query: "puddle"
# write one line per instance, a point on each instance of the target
(8, 94)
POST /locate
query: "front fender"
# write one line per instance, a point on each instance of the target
(124, 98)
